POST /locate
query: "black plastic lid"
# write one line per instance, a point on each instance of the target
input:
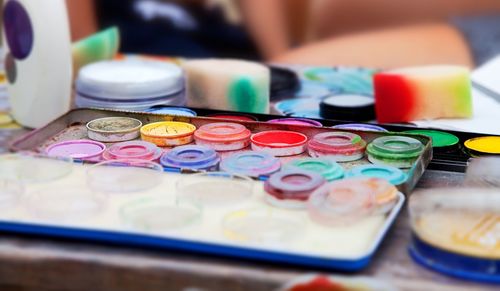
(348, 107)
(283, 82)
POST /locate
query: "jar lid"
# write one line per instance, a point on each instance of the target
(295, 184)
(76, 149)
(348, 107)
(337, 142)
(327, 168)
(360, 126)
(251, 163)
(296, 121)
(129, 80)
(395, 147)
(133, 150)
(190, 157)
(222, 132)
(392, 174)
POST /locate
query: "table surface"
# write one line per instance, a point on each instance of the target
(47, 264)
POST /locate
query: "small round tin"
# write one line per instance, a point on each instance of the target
(250, 163)
(484, 145)
(396, 151)
(233, 116)
(392, 174)
(193, 157)
(177, 111)
(327, 168)
(291, 188)
(135, 149)
(279, 143)
(168, 133)
(113, 129)
(441, 141)
(339, 146)
(80, 149)
(296, 121)
(360, 127)
(223, 136)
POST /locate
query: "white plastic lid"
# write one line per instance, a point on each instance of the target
(129, 80)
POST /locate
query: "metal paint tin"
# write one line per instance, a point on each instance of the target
(392, 174)
(223, 136)
(114, 129)
(251, 163)
(136, 150)
(193, 157)
(339, 146)
(279, 142)
(396, 151)
(81, 149)
(168, 133)
(296, 121)
(326, 167)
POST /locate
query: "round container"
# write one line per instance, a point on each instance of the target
(223, 136)
(396, 151)
(386, 195)
(486, 145)
(122, 176)
(177, 111)
(393, 175)
(233, 116)
(129, 85)
(341, 202)
(11, 192)
(296, 121)
(33, 168)
(292, 187)
(113, 129)
(214, 189)
(168, 133)
(348, 107)
(360, 126)
(441, 141)
(284, 82)
(250, 163)
(193, 157)
(135, 150)
(158, 215)
(327, 168)
(279, 143)
(262, 226)
(80, 149)
(339, 146)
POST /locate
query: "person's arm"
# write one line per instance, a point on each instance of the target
(82, 18)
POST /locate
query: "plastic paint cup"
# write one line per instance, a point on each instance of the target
(192, 157)
(486, 145)
(168, 133)
(30, 168)
(296, 121)
(339, 146)
(279, 142)
(292, 187)
(396, 151)
(135, 150)
(77, 149)
(113, 129)
(223, 136)
(327, 168)
(177, 111)
(392, 174)
(234, 116)
(360, 127)
(251, 163)
(441, 141)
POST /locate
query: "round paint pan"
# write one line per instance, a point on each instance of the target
(135, 150)
(395, 151)
(279, 143)
(360, 127)
(234, 116)
(168, 133)
(292, 187)
(31, 168)
(392, 174)
(251, 163)
(159, 215)
(77, 149)
(283, 82)
(296, 121)
(177, 111)
(193, 157)
(223, 136)
(326, 167)
(124, 176)
(262, 226)
(348, 107)
(441, 141)
(214, 189)
(11, 192)
(113, 129)
(482, 146)
(339, 146)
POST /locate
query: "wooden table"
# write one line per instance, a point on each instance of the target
(28, 263)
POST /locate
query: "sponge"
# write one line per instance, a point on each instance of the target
(228, 85)
(428, 92)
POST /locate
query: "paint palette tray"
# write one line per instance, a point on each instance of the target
(139, 217)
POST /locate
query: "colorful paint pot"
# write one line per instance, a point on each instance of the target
(279, 143)
(392, 174)
(136, 150)
(114, 129)
(296, 121)
(487, 145)
(177, 111)
(234, 116)
(80, 149)
(441, 141)
(223, 136)
(396, 151)
(339, 146)
(168, 133)
(192, 157)
(327, 168)
(360, 127)
(292, 187)
(386, 194)
(250, 163)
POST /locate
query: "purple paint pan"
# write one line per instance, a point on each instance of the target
(76, 149)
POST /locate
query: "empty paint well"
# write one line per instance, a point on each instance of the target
(339, 146)
(279, 142)
(223, 136)
(193, 157)
(327, 168)
(34, 168)
(251, 163)
(392, 174)
(396, 151)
